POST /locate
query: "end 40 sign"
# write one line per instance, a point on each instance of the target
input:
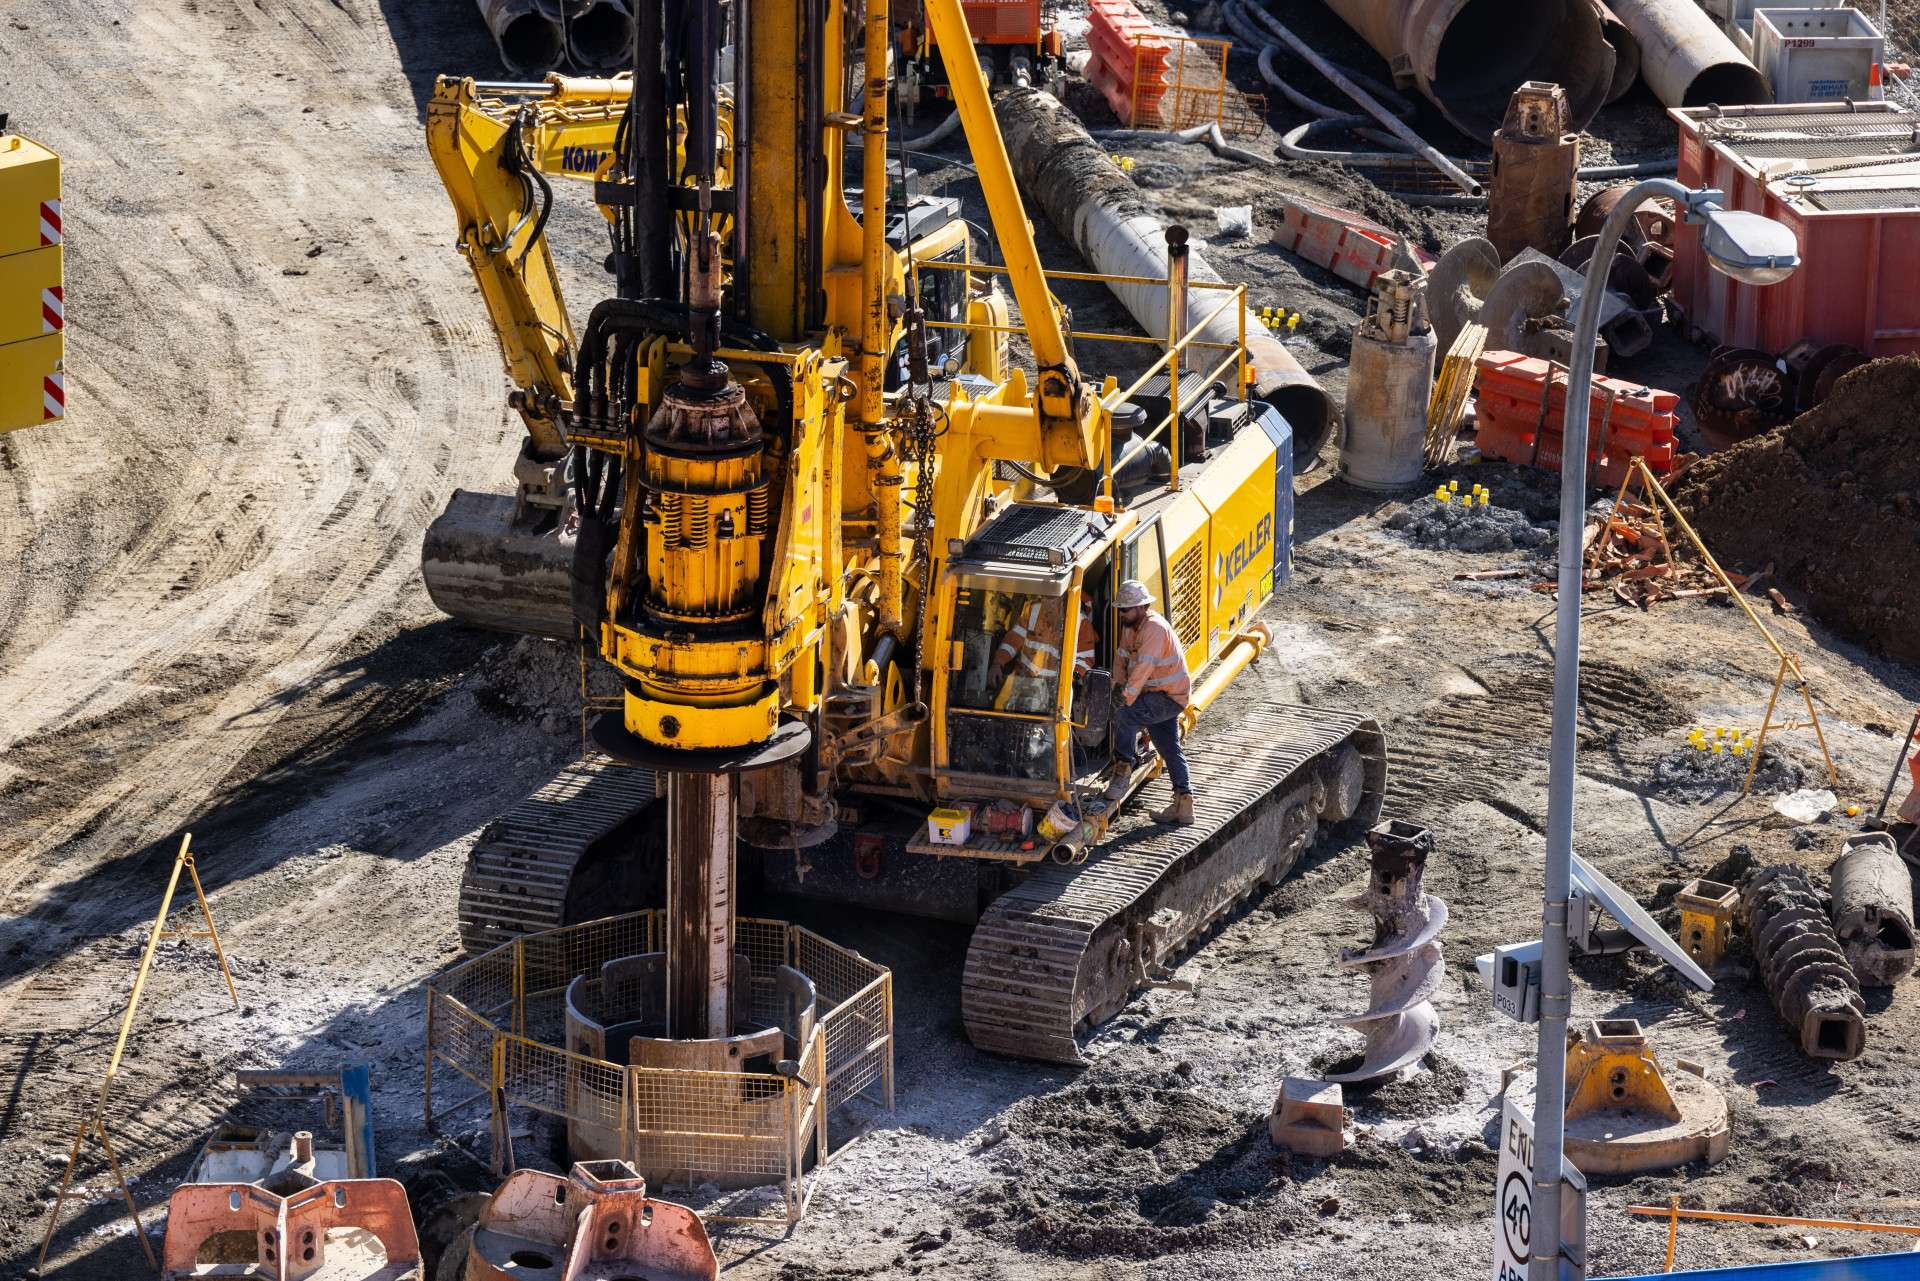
(1513, 1204)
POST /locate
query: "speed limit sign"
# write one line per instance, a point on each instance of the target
(1513, 1202)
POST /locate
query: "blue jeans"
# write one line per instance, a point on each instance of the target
(1159, 715)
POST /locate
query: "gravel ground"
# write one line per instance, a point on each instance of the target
(215, 623)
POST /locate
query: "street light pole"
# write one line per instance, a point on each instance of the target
(1742, 245)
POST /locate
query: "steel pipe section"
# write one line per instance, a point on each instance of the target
(1686, 59)
(527, 34)
(600, 33)
(1090, 202)
(1468, 56)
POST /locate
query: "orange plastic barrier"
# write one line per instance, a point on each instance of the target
(1522, 403)
(1126, 49)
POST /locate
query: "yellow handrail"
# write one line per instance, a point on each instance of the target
(1094, 277)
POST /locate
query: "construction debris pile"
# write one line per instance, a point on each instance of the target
(1629, 551)
(1464, 527)
(1830, 500)
(1689, 773)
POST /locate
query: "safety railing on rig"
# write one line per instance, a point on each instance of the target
(498, 1020)
(1176, 344)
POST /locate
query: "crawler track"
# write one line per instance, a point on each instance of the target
(1064, 950)
(521, 868)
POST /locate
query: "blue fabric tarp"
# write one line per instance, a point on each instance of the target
(1878, 1267)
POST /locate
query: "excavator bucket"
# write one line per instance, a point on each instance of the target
(486, 563)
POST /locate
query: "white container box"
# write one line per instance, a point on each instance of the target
(1738, 18)
(1818, 55)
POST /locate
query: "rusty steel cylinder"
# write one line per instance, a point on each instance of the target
(600, 34)
(1536, 162)
(1800, 960)
(1389, 383)
(1873, 909)
(1686, 59)
(1468, 56)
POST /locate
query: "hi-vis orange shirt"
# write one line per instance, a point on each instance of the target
(1149, 659)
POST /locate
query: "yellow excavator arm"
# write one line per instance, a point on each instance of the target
(496, 146)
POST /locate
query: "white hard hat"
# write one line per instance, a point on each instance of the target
(1132, 593)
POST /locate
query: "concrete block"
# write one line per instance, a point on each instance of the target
(1309, 1117)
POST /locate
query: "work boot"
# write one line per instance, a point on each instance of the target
(1121, 780)
(1178, 814)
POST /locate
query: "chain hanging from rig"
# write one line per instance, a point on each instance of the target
(919, 441)
(918, 421)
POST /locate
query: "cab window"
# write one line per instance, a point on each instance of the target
(1004, 684)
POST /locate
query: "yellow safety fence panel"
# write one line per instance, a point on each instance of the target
(498, 1020)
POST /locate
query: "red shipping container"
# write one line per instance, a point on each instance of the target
(1846, 179)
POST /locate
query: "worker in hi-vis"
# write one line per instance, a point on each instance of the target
(1029, 656)
(1151, 676)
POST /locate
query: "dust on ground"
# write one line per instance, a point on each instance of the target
(216, 623)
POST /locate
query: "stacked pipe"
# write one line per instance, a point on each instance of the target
(1403, 963)
(535, 36)
(1806, 973)
(599, 34)
(1468, 56)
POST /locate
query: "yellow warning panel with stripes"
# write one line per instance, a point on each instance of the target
(33, 297)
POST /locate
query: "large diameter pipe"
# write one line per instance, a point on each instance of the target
(528, 35)
(600, 33)
(1468, 56)
(1096, 207)
(1686, 59)
(1368, 103)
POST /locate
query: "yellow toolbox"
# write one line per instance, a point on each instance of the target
(33, 303)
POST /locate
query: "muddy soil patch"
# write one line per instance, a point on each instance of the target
(1143, 1165)
(1832, 501)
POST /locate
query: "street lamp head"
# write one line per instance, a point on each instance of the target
(1752, 249)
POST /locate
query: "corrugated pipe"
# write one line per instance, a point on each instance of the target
(1686, 59)
(1096, 207)
(1468, 56)
(527, 35)
(600, 33)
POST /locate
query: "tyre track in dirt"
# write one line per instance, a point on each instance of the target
(195, 560)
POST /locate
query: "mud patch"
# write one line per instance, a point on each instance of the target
(1693, 775)
(1139, 1165)
(1457, 526)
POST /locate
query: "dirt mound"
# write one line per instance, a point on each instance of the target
(1833, 501)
